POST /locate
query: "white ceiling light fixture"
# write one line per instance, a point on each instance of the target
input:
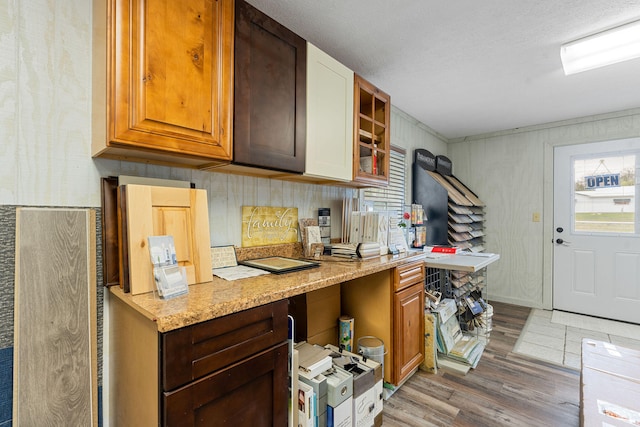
(598, 50)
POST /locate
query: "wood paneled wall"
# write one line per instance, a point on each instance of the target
(511, 172)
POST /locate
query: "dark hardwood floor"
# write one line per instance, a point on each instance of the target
(506, 389)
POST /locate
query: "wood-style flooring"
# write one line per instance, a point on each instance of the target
(506, 389)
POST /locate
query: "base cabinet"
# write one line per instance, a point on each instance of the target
(245, 394)
(408, 315)
(226, 371)
(390, 305)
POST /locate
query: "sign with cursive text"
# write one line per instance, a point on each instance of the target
(267, 225)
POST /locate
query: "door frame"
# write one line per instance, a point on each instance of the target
(547, 217)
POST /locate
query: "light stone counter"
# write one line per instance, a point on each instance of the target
(220, 297)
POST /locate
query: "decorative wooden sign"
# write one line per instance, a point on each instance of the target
(267, 225)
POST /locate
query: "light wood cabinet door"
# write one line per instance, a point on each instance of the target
(157, 211)
(329, 117)
(371, 149)
(408, 334)
(169, 81)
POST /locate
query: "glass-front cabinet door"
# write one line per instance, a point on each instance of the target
(371, 134)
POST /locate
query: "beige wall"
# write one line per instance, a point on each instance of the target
(512, 172)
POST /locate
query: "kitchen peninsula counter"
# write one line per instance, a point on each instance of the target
(220, 297)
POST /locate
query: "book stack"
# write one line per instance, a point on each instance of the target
(346, 250)
(368, 250)
(356, 250)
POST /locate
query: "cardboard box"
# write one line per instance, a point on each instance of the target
(363, 377)
(306, 406)
(376, 366)
(323, 309)
(341, 415)
(611, 358)
(364, 408)
(315, 313)
(319, 386)
(374, 395)
(328, 336)
(364, 397)
(339, 386)
(429, 364)
(318, 383)
(378, 391)
(606, 399)
(609, 385)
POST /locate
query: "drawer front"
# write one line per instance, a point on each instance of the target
(198, 350)
(408, 274)
(253, 392)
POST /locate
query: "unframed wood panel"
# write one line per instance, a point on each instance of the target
(55, 367)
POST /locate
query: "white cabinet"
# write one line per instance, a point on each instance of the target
(329, 117)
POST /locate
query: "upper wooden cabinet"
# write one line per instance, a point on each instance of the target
(166, 70)
(270, 93)
(329, 117)
(371, 148)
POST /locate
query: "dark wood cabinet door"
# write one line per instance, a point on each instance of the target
(270, 93)
(196, 351)
(251, 393)
(408, 325)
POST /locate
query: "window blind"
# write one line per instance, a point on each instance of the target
(391, 198)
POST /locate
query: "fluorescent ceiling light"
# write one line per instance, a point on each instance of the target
(605, 48)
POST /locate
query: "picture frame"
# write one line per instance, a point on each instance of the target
(280, 265)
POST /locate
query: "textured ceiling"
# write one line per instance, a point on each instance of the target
(468, 67)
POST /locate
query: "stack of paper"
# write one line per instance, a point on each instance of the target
(347, 250)
(449, 333)
(453, 346)
(468, 350)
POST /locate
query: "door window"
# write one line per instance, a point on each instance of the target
(604, 194)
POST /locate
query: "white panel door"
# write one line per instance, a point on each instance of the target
(596, 261)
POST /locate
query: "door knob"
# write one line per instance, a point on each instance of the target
(562, 242)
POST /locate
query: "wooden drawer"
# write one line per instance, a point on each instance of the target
(408, 274)
(198, 350)
(251, 393)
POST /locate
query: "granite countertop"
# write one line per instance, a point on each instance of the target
(219, 297)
